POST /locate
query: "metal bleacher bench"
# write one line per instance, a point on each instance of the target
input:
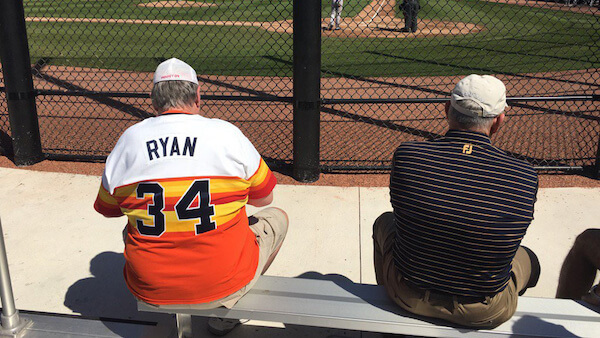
(363, 307)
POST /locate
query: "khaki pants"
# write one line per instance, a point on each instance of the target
(489, 313)
(270, 227)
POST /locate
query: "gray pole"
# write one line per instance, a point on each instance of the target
(11, 323)
(597, 165)
(307, 89)
(20, 95)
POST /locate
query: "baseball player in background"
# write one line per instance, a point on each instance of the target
(336, 14)
(183, 181)
(410, 9)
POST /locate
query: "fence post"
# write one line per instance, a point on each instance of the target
(307, 89)
(20, 95)
(597, 164)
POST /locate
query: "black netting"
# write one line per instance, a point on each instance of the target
(5, 141)
(93, 64)
(381, 82)
(538, 48)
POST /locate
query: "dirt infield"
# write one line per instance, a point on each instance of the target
(169, 4)
(376, 20)
(557, 6)
(386, 27)
(559, 133)
(358, 134)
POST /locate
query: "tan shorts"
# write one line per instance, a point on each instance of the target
(270, 227)
(487, 313)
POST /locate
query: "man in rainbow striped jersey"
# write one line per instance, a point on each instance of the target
(183, 181)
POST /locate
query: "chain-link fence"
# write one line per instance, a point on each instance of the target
(5, 141)
(385, 72)
(544, 51)
(93, 63)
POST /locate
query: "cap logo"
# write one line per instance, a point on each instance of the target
(175, 69)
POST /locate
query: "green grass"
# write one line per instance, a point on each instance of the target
(241, 10)
(516, 39)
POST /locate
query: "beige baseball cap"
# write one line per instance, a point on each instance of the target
(485, 91)
(175, 70)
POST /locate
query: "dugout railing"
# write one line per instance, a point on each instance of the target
(309, 98)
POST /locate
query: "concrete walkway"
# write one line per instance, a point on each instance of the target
(65, 258)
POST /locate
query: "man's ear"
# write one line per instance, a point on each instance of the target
(198, 98)
(498, 121)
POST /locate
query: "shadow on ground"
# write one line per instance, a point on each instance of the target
(105, 295)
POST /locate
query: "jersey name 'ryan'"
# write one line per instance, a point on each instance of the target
(171, 146)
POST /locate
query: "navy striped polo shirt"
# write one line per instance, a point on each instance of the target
(461, 208)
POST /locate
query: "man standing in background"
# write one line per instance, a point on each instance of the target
(410, 9)
(336, 14)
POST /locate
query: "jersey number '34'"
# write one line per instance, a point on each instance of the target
(183, 208)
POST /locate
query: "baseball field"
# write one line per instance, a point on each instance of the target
(244, 49)
(237, 37)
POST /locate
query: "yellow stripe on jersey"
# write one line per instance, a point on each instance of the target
(225, 211)
(261, 174)
(106, 197)
(179, 187)
(173, 224)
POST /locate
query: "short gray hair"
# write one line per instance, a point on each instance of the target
(173, 94)
(469, 122)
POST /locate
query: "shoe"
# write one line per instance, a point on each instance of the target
(592, 297)
(536, 269)
(222, 326)
(329, 28)
(337, 28)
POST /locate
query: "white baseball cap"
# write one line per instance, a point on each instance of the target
(486, 91)
(175, 70)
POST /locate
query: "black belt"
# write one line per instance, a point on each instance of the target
(445, 296)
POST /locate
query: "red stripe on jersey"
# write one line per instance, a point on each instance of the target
(183, 234)
(224, 198)
(131, 202)
(265, 188)
(107, 210)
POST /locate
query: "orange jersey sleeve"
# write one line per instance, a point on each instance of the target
(262, 182)
(106, 204)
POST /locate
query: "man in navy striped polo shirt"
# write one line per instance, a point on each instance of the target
(451, 248)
